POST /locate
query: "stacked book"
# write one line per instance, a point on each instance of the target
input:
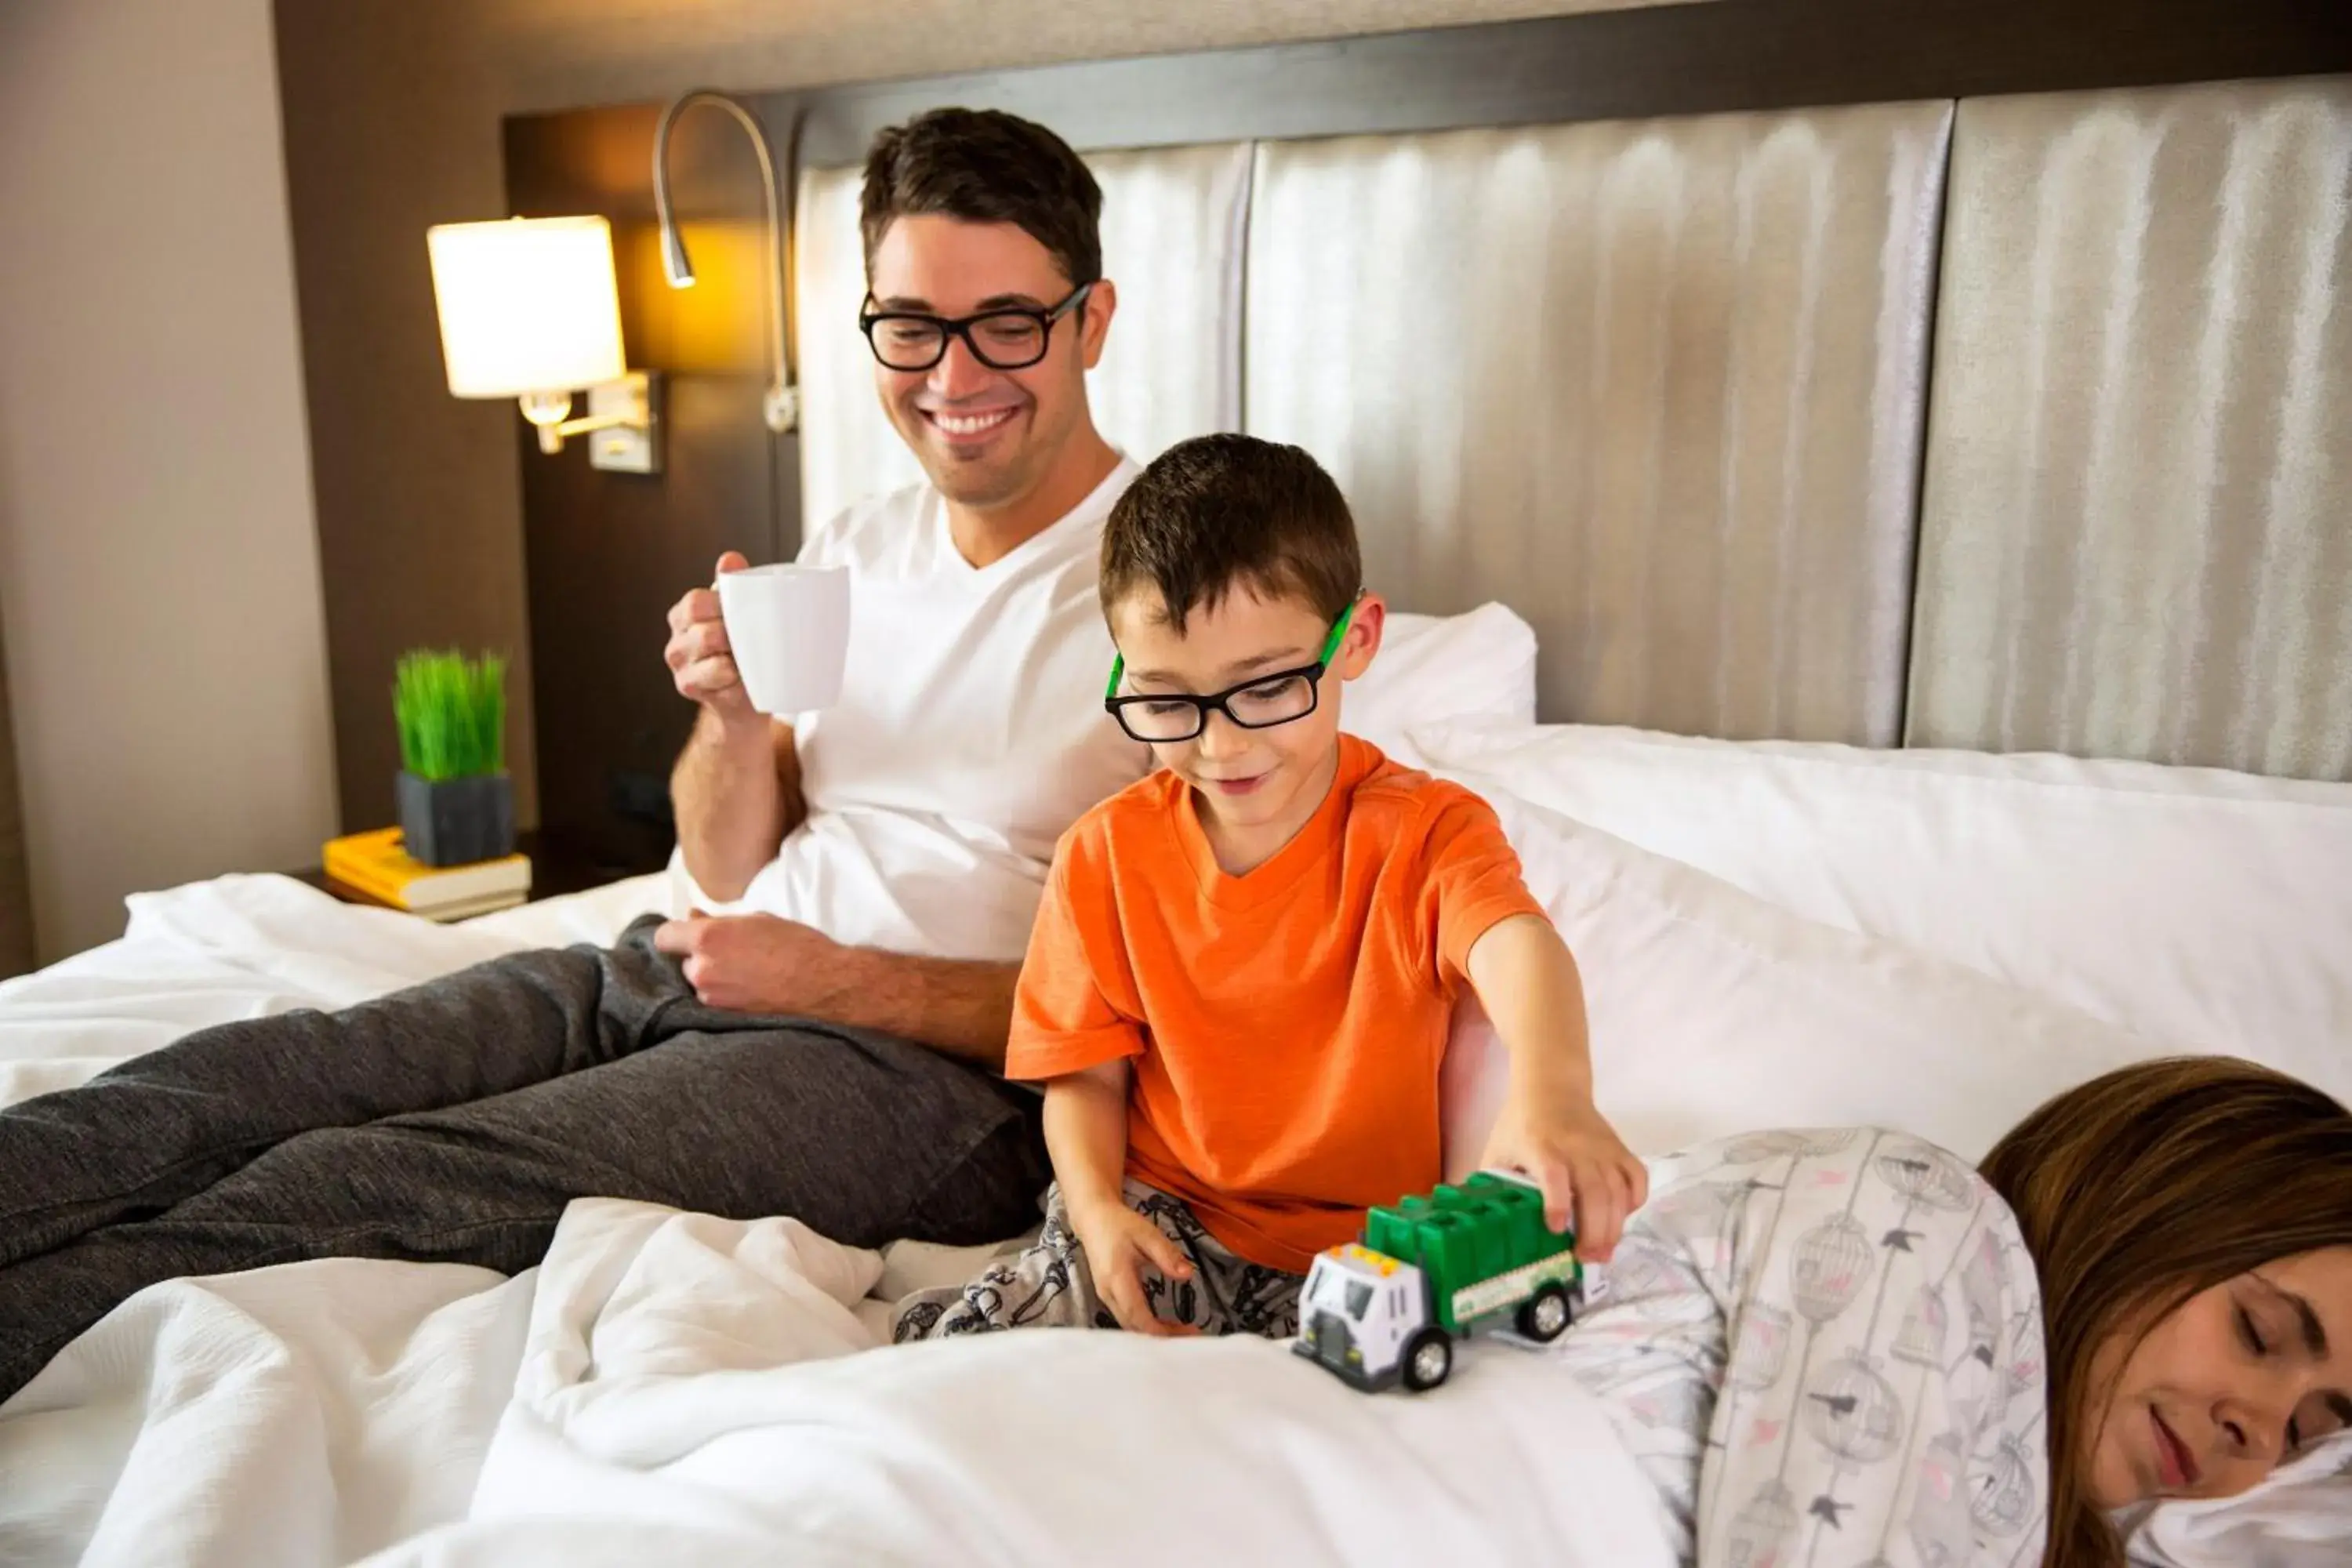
(374, 866)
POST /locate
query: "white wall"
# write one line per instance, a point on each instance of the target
(159, 579)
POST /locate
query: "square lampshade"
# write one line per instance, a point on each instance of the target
(527, 305)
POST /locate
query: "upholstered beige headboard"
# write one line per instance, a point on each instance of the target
(2004, 423)
(2137, 531)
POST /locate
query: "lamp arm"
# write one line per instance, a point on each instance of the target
(552, 436)
(782, 411)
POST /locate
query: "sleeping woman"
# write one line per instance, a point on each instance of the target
(1846, 1348)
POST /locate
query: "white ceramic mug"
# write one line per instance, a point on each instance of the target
(789, 626)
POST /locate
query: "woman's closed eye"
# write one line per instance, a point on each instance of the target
(2260, 1343)
(2251, 1332)
(2324, 1416)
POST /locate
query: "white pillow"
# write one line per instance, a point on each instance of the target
(1714, 1013)
(2299, 1517)
(2206, 910)
(1480, 667)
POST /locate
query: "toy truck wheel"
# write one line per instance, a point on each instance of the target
(1428, 1360)
(1544, 1317)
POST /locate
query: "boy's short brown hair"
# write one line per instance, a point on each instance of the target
(983, 165)
(1218, 512)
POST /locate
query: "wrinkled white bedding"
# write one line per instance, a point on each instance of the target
(676, 1385)
(677, 1382)
(685, 1372)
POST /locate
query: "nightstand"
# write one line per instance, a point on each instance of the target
(554, 869)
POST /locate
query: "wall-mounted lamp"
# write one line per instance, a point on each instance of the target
(529, 310)
(781, 407)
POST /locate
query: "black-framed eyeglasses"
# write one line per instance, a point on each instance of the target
(1012, 337)
(1260, 702)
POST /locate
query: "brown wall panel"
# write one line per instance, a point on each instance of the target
(608, 553)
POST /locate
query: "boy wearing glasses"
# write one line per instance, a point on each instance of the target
(1238, 989)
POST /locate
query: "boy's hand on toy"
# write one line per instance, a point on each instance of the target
(1120, 1244)
(1576, 1157)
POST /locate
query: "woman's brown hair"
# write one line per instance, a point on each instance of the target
(2136, 1192)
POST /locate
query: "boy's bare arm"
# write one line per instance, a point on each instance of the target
(1085, 1132)
(1549, 1129)
(1528, 982)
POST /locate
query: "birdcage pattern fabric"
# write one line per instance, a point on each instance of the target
(1824, 1350)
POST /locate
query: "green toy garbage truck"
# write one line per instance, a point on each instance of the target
(1388, 1310)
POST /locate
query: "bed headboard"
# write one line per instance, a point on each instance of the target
(2018, 423)
(1791, 375)
(2135, 527)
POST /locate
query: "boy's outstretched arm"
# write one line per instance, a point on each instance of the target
(1085, 1132)
(1549, 1129)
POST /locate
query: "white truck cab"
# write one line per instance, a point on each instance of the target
(1378, 1303)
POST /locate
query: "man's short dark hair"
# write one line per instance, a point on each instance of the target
(1221, 511)
(983, 165)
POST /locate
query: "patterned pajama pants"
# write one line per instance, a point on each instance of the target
(1049, 1286)
(1825, 1350)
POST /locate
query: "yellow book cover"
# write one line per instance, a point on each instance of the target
(376, 865)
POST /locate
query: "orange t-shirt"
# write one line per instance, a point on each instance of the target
(1285, 1026)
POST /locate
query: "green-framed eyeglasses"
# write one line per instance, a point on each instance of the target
(1260, 702)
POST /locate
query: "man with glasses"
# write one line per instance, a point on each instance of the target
(823, 1045)
(879, 863)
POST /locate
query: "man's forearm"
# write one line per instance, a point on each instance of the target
(961, 1007)
(736, 790)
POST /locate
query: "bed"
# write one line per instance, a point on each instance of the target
(679, 1383)
(1841, 469)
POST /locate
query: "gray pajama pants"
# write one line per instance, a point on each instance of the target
(1825, 1350)
(452, 1122)
(1049, 1286)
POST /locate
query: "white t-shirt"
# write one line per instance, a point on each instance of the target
(969, 734)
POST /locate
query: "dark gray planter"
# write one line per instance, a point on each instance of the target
(451, 822)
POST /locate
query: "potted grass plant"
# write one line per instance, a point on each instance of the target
(456, 803)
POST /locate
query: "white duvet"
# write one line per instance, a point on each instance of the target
(683, 1371)
(675, 1386)
(678, 1383)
